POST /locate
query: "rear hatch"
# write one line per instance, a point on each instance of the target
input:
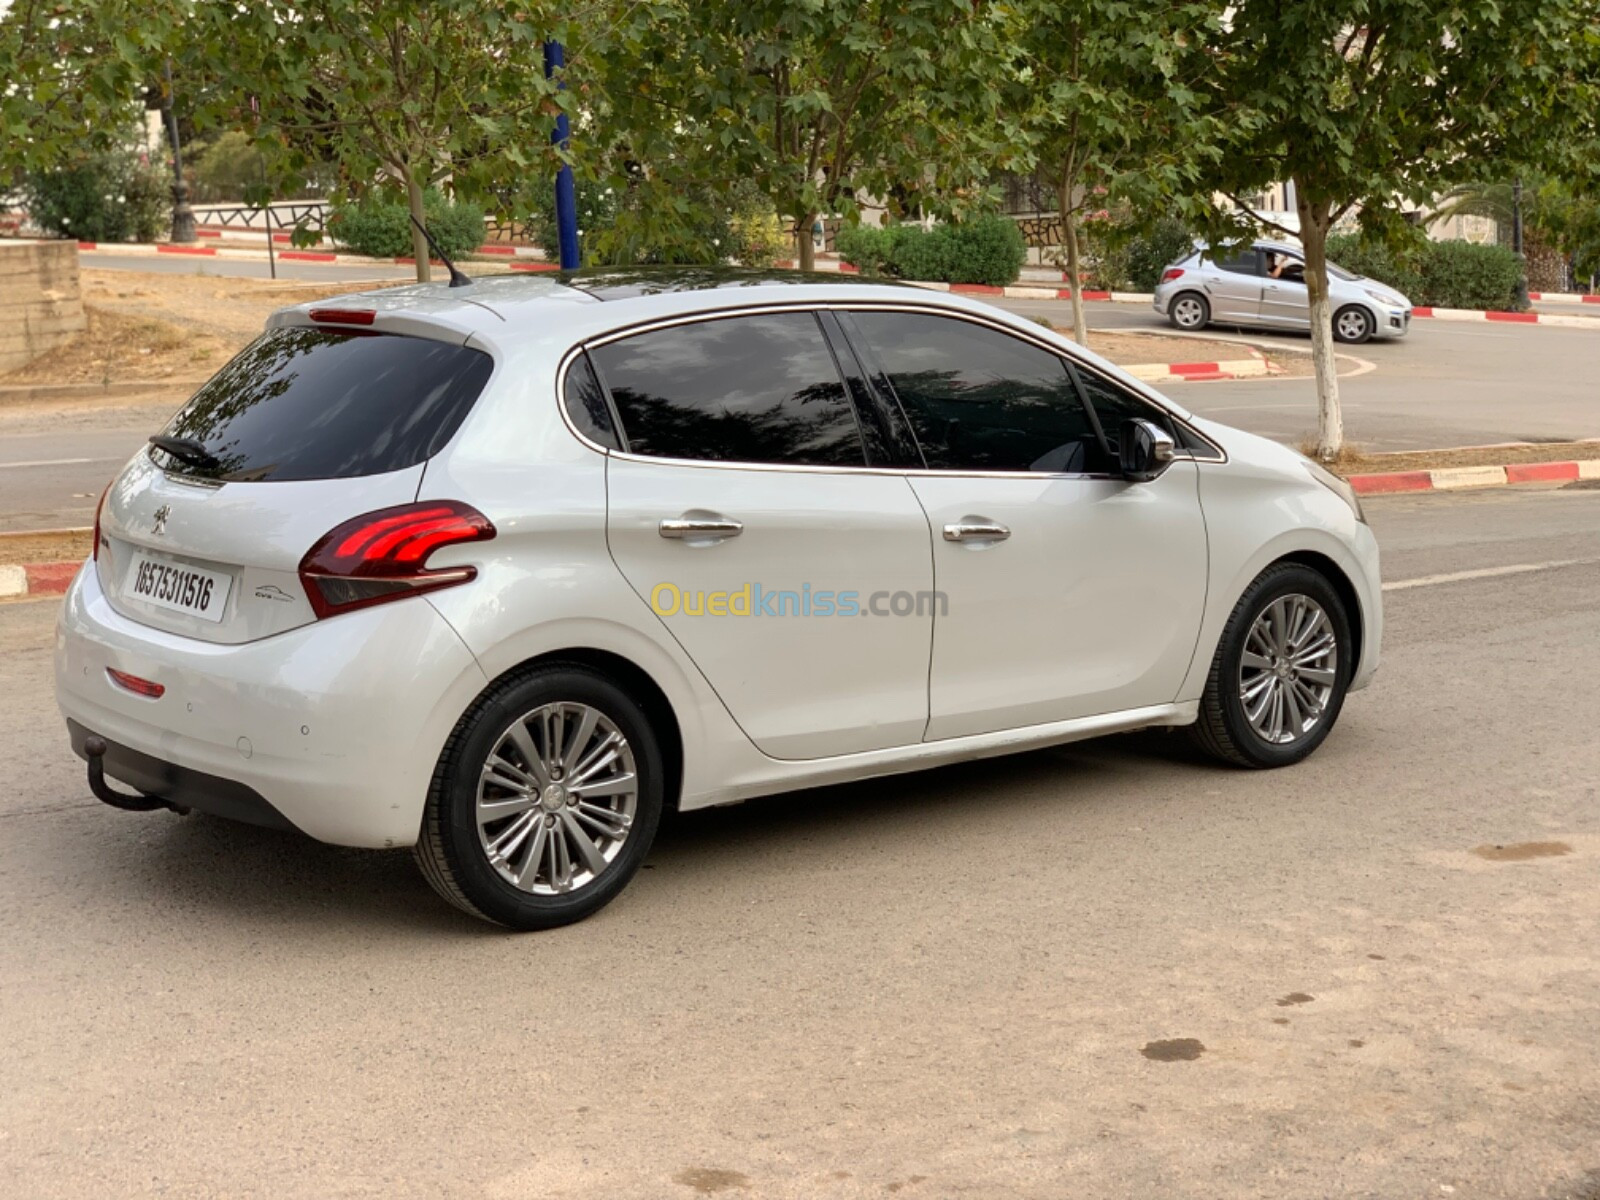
(308, 427)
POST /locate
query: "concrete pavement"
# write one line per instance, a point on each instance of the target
(1104, 970)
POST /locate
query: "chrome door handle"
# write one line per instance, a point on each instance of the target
(976, 531)
(700, 527)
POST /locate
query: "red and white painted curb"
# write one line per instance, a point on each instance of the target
(1564, 297)
(1445, 479)
(1255, 367)
(37, 579)
(1514, 318)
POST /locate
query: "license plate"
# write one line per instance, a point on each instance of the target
(185, 589)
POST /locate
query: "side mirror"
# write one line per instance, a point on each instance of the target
(1146, 450)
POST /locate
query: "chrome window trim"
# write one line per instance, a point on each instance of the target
(649, 325)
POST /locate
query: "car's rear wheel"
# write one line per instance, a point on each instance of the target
(1353, 324)
(545, 800)
(1280, 673)
(1189, 310)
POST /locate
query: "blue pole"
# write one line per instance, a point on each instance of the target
(555, 58)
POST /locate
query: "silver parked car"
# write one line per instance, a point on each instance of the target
(1263, 284)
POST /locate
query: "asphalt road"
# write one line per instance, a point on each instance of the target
(1104, 970)
(1447, 383)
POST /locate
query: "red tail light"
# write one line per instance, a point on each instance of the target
(1170, 274)
(98, 509)
(383, 555)
(139, 687)
(343, 316)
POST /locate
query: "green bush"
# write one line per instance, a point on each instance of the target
(111, 197)
(1434, 274)
(1128, 255)
(656, 221)
(380, 226)
(988, 250)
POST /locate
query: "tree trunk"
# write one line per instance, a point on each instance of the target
(419, 244)
(1069, 230)
(1314, 224)
(806, 251)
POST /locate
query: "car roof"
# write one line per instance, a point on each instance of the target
(627, 294)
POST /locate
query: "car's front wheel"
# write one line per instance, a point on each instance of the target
(545, 800)
(1353, 324)
(1280, 673)
(1189, 310)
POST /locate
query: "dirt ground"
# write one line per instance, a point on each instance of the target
(67, 546)
(1354, 462)
(151, 326)
(1128, 349)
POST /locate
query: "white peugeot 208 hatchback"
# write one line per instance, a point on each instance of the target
(501, 572)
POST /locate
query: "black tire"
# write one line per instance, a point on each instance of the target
(1348, 316)
(1223, 730)
(1193, 301)
(450, 852)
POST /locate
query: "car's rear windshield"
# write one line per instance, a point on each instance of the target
(320, 404)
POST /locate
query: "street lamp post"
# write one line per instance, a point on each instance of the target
(566, 198)
(182, 214)
(1516, 245)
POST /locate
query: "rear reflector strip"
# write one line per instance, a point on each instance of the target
(139, 687)
(343, 316)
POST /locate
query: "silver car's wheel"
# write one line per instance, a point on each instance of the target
(1352, 325)
(1288, 669)
(1282, 665)
(556, 799)
(546, 798)
(1189, 311)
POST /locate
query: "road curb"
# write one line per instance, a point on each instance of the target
(24, 393)
(1443, 479)
(36, 579)
(1195, 372)
(523, 260)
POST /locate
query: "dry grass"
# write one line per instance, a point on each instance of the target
(19, 548)
(1355, 461)
(122, 348)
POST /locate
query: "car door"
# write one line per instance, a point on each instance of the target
(1065, 591)
(1285, 303)
(1233, 285)
(742, 511)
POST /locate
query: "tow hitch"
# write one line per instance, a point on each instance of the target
(95, 749)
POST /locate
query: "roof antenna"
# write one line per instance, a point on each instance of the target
(457, 279)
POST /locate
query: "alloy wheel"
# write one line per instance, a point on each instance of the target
(1352, 325)
(1288, 669)
(556, 799)
(1188, 312)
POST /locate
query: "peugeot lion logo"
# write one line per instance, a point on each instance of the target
(162, 514)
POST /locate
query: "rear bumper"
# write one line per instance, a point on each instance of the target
(333, 728)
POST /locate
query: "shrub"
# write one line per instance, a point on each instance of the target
(988, 250)
(654, 221)
(1128, 255)
(111, 197)
(225, 168)
(380, 226)
(1434, 274)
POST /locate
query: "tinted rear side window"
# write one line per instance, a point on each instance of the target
(981, 400)
(760, 389)
(317, 404)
